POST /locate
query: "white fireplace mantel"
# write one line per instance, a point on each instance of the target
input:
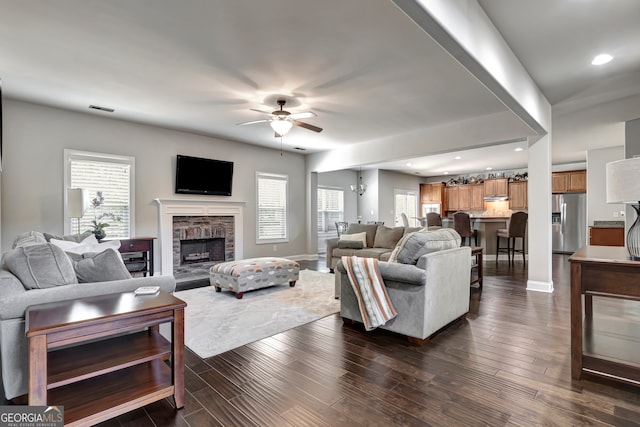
(168, 208)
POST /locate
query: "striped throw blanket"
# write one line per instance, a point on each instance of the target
(375, 305)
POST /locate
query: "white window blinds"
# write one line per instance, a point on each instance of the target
(330, 208)
(272, 207)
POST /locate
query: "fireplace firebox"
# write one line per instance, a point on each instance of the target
(202, 250)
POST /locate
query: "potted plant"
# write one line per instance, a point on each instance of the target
(98, 219)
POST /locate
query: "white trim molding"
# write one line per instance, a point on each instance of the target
(534, 285)
(168, 208)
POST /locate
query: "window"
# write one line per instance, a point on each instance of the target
(330, 209)
(407, 203)
(113, 176)
(272, 207)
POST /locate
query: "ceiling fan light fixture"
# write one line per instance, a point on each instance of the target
(281, 126)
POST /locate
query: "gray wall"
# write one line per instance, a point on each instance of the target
(32, 178)
(343, 179)
(597, 206)
(389, 181)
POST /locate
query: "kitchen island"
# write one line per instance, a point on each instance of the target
(487, 227)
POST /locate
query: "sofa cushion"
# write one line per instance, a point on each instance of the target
(103, 266)
(412, 246)
(70, 237)
(350, 244)
(387, 237)
(408, 230)
(370, 229)
(40, 266)
(356, 237)
(29, 238)
(363, 253)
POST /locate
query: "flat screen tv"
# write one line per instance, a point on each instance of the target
(195, 175)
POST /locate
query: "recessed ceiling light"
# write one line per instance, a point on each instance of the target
(446, 173)
(409, 164)
(457, 157)
(489, 168)
(601, 59)
(518, 149)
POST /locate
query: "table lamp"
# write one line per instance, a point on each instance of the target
(623, 186)
(76, 203)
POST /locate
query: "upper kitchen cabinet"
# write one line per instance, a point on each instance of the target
(569, 182)
(451, 198)
(432, 193)
(477, 197)
(518, 193)
(496, 187)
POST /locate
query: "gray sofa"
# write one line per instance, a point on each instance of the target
(380, 243)
(427, 296)
(14, 300)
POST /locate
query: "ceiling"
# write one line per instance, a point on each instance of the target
(362, 66)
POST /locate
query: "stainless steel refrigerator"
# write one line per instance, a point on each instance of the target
(569, 222)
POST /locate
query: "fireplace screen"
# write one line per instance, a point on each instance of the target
(201, 250)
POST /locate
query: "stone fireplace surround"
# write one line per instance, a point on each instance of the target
(168, 208)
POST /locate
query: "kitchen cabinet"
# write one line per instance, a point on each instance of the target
(496, 187)
(569, 182)
(451, 198)
(601, 236)
(477, 197)
(432, 192)
(464, 197)
(518, 195)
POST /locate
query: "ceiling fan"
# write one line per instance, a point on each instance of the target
(281, 120)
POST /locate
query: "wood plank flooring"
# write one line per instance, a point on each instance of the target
(506, 364)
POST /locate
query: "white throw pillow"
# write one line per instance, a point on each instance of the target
(359, 237)
(89, 244)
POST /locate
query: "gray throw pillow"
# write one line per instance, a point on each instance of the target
(28, 238)
(40, 266)
(70, 237)
(99, 267)
(350, 244)
(387, 237)
(412, 246)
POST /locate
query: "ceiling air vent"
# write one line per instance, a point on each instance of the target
(299, 148)
(97, 107)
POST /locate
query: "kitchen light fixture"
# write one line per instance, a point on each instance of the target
(361, 188)
(77, 201)
(623, 186)
(602, 59)
(281, 126)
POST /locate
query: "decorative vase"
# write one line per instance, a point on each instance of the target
(100, 234)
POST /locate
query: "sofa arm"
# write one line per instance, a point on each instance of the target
(331, 245)
(15, 305)
(406, 273)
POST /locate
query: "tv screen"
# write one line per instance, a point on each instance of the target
(195, 175)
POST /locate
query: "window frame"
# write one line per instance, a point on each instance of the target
(70, 155)
(340, 189)
(396, 214)
(282, 177)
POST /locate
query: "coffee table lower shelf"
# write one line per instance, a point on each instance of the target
(101, 398)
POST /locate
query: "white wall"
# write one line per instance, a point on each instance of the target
(32, 178)
(597, 207)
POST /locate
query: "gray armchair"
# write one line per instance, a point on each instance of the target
(427, 296)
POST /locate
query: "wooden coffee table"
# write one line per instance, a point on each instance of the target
(118, 359)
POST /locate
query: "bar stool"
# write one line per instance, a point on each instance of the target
(517, 229)
(434, 220)
(462, 224)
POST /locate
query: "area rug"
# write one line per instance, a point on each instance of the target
(216, 322)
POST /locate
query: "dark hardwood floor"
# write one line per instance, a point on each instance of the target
(507, 363)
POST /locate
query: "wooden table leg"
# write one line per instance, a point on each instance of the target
(38, 370)
(177, 367)
(576, 321)
(479, 262)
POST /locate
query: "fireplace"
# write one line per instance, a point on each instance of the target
(202, 250)
(169, 241)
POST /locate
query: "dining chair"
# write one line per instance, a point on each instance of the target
(516, 229)
(434, 219)
(462, 224)
(405, 220)
(341, 227)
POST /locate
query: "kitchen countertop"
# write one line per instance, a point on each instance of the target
(608, 224)
(483, 218)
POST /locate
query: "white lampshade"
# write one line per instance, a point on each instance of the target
(76, 202)
(280, 126)
(623, 181)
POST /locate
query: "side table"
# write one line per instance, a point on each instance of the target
(118, 362)
(137, 253)
(477, 252)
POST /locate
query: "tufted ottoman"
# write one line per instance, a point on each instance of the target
(253, 273)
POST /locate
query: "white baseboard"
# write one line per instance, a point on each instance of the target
(534, 285)
(303, 257)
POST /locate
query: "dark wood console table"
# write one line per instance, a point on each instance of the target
(137, 253)
(123, 370)
(607, 346)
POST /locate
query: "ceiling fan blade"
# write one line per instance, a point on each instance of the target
(307, 126)
(303, 115)
(261, 111)
(253, 122)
